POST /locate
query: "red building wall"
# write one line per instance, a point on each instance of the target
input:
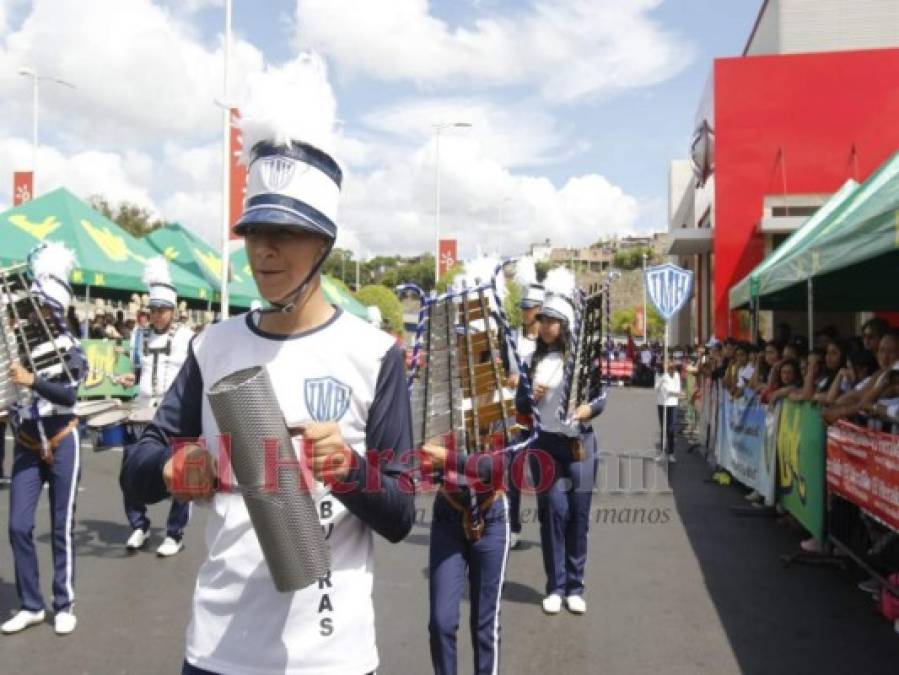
(792, 124)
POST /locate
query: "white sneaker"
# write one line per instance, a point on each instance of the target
(515, 540)
(552, 604)
(169, 547)
(753, 496)
(64, 622)
(672, 459)
(576, 604)
(22, 620)
(137, 539)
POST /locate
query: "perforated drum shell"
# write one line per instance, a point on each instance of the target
(286, 519)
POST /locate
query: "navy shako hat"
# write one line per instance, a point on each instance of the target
(560, 291)
(558, 306)
(292, 185)
(533, 296)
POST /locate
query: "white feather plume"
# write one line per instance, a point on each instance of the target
(156, 271)
(525, 272)
(560, 281)
(291, 103)
(53, 259)
(479, 271)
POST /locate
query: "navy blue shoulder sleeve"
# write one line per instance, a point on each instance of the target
(178, 416)
(385, 501)
(59, 390)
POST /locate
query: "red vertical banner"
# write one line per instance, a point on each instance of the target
(238, 172)
(22, 187)
(448, 251)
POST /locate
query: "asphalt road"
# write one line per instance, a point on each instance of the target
(675, 584)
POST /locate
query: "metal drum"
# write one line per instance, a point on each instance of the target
(138, 419)
(87, 409)
(26, 337)
(109, 428)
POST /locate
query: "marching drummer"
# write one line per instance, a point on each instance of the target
(164, 347)
(47, 449)
(339, 378)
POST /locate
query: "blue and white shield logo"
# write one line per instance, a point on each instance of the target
(669, 287)
(327, 399)
(276, 172)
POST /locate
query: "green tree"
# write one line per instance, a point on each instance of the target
(656, 323)
(632, 258)
(511, 302)
(340, 265)
(446, 279)
(624, 320)
(542, 267)
(134, 219)
(385, 300)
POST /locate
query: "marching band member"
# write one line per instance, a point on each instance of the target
(525, 337)
(47, 450)
(563, 507)
(164, 347)
(460, 547)
(339, 379)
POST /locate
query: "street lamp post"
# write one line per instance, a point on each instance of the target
(226, 164)
(437, 129)
(35, 78)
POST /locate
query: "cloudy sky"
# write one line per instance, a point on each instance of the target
(576, 106)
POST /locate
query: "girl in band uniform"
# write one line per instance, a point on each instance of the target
(564, 455)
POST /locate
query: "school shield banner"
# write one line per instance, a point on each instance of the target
(669, 287)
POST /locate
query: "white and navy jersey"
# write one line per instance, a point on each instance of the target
(525, 347)
(162, 355)
(549, 372)
(345, 371)
(53, 392)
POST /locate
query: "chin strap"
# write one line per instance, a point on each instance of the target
(293, 297)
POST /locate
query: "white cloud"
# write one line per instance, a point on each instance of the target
(568, 49)
(142, 77)
(482, 203)
(141, 128)
(522, 133)
(83, 173)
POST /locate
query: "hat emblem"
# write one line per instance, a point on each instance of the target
(277, 172)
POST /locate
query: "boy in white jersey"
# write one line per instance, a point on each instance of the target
(342, 382)
(164, 345)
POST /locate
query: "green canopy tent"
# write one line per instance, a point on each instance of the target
(243, 288)
(851, 261)
(747, 289)
(185, 250)
(110, 260)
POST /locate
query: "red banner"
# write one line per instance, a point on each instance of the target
(640, 326)
(449, 252)
(22, 187)
(238, 172)
(863, 467)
